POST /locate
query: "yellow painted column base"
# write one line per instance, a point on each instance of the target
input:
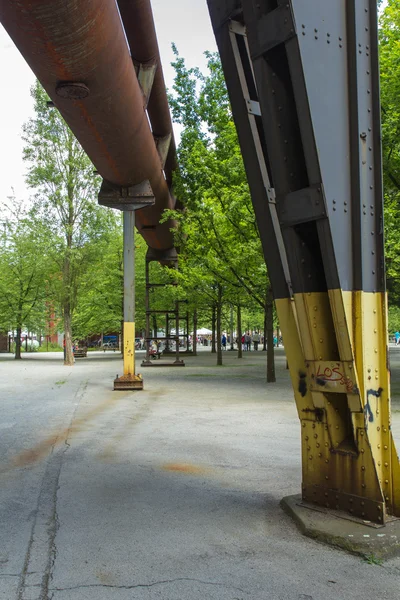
(129, 381)
(129, 348)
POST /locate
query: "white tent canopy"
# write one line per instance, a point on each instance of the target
(203, 331)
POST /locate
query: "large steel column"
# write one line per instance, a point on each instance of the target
(303, 80)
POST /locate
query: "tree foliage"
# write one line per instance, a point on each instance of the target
(66, 203)
(24, 270)
(218, 234)
(389, 38)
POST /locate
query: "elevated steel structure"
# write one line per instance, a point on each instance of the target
(303, 80)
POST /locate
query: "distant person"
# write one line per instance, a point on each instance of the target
(223, 341)
(248, 341)
(243, 342)
(256, 340)
(397, 338)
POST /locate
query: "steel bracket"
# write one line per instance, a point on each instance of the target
(253, 108)
(350, 504)
(162, 145)
(131, 197)
(128, 382)
(145, 74)
(301, 206)
(274, 28)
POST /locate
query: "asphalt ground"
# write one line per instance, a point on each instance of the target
(171, 493)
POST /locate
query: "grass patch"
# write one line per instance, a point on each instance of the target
(61, 382)
(50, 348)
(371, 559)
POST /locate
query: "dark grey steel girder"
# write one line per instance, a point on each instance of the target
(303, 81)
(310, 69)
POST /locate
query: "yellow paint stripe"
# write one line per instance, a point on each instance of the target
(129, 348)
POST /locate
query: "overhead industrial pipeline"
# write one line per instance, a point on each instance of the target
(83, 42)
(138, 22)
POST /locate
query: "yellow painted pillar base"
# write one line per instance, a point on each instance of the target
(335, 344)
(129, 381)
(129, 348)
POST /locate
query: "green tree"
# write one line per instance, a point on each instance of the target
(218, 234)
(65, 201)
(24, 269)
(389, 38)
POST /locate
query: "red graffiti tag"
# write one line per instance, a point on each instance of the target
(335, 375)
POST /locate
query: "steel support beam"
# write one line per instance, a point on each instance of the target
(169, 259)
(303, 81)
(128, 200)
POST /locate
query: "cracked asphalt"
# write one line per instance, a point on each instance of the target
(167, 494)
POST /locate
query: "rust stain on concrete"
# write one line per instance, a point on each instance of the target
(184, 468)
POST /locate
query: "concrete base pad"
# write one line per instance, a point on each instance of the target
(356, 537)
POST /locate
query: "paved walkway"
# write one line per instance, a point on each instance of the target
(167, 494)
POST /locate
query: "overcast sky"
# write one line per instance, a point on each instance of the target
(185, 22)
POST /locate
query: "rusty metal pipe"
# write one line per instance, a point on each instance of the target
(137, 18)
(84, 42)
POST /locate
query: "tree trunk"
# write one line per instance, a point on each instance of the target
(264, 349)
(231, 324)
(67, 284)
(213, 329)
(195, 332)
(18, 344)
(219, 333)
(269, 317)
(69, 356)
(239, 331)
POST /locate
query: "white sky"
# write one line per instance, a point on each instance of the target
(185, 22)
